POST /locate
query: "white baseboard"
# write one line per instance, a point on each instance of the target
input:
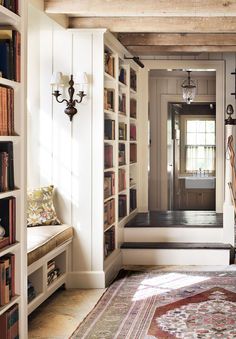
(86, 279)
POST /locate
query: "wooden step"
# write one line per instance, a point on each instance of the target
(177, 219)
(176, 253)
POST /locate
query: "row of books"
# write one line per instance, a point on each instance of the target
(133, 79)
(133, 153)
(10, 50)
(8, 221)
(6, 110)
(122, 76)
(109, 63)
(109, 184)
(7, 278)
(108, 156)
(133, 132)
(133, 199)
(31, 291)
(9, 323)
(122, 103)
(109, 99)
(109, 213)
(133, 108)
(122, 179)
(6, 166)
(121, 155)
(122, 205)
(122, 131)
(12, 5)
(109, 129)
(109, 241)
(53, 272)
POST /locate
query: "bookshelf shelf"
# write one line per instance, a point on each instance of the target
(107, 111)
(132, 186)
(122, 84)
(110, 197)
(13, 109)
(108, 227)
(109, 169)
(10, 248)
(13, 301)
(133, 91)
(9, 17)
(34, 303)
(109, 77)
(11, 83)
(56, 283)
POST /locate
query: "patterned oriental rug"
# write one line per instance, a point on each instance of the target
(159, 304)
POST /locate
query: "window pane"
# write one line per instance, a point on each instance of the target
(191, 138)
(201, 126)
(191, 126)
(201, 139)
(210, 139)
(210, 126)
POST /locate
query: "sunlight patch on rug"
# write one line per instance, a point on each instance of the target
(165, 283)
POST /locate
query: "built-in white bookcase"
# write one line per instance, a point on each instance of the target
(18, 22)
(122, 110)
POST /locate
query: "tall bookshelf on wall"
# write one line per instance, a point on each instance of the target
(13, 269)
(120, 146)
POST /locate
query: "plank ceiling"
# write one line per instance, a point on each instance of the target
(154, 27)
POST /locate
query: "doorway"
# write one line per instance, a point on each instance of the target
(210, 91)
(191, 156)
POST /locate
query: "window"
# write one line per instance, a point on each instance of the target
(200, 145)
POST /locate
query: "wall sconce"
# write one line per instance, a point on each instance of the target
(80, 80)
(189, 89)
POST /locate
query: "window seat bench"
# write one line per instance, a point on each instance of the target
(48, 249)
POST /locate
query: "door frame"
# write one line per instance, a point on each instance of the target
(143, 109)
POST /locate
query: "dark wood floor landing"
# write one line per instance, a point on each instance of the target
(200, 219)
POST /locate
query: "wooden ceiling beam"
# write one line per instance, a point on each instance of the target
(177, 39)
(158, 25)
(156, 50)
(142, 8)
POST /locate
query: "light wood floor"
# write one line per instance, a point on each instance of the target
(59, 316)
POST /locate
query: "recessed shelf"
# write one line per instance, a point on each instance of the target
(9, 248)
(108, 227)
(110, 197)
(109, 169)
(13, 301)
(107, 111)
(122, 84)
(13, 138)
(132, 91)
(10, 83)
(56, 282)
(123, 191)
(109, 77)
(133, 186)
(8, 17)
(9, 193)
(133, 163)
(133, 119)
(123, 166)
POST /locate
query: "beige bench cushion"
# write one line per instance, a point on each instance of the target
(43, 239)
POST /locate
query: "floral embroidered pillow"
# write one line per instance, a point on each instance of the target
(40, 209)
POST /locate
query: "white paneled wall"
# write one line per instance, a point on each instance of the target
(165, 84)
(61, 152)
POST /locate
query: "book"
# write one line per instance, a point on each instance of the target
(109, 241)
(7, 278)
(122, 103)
(133, 108)
(109, 129)
(122, 179)
(9, 323)
(109, 213)
(133, 199)
(121, 154)
(8, 220)
(122, 76)
(6, 166)
(132, 132)
(10, 50)
(109, 99)
(109, 63)
(133, 153)
(108, 156)
(122, 131)
(133, 80)
(122, 205)
(109, 184)
(12, 5)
